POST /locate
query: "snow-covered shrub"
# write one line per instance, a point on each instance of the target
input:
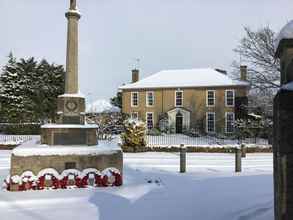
(134, 136)
(108, 124)
(164, 123)
(154, 132)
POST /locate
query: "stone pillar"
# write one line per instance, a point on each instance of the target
(243, 150)
(71, 81)
(238, 157)
(182, 158)
(283, 155)
(283, 132)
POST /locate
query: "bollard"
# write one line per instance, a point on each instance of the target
(237, 160)
(182, 158)
(243, 151)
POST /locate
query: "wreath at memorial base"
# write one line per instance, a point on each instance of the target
(68, 179)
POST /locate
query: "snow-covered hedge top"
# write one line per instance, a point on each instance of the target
(33, 148)
(285, 33)
(101, 106)
(185, 78)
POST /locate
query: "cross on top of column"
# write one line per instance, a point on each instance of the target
(72, 4)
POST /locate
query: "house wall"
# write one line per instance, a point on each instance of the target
(194, 100)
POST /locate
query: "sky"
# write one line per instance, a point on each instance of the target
(163, 34)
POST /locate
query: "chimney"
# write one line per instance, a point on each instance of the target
(135, 75)
(243, 73)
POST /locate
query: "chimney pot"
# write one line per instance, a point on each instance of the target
(243, 73)
(135, 75)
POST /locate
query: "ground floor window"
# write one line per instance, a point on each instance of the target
(210, 122)
(229, 118)
(134, 115)
(150, 120)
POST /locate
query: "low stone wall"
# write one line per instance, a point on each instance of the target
(38, 163)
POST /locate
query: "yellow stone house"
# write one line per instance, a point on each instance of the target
(205, 100)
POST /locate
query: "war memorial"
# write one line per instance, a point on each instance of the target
(68, 154)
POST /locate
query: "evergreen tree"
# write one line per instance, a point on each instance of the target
(117, 100)
(29, 90)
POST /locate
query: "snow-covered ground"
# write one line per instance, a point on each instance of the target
(153, 189)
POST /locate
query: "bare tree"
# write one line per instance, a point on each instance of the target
(256, 50)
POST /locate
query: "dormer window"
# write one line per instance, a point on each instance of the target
(178, 98)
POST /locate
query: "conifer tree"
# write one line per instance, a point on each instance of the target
(29, 90)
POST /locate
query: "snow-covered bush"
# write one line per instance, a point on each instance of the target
(154, 132)
(253, 126)
(108, 124)
(164, 123)
(134, 136)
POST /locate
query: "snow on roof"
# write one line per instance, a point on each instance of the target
(101, 106)
(285, 33)
(185, 78)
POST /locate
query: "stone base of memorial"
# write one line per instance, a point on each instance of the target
(36, 166)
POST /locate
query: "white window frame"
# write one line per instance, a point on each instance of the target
(207, 98)
(146, 119)
(147, 98)
(134, 113)
(132, 93)
(179, 90)
(207, 127)
(226, 121)
(226, 103)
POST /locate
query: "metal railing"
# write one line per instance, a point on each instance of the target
(174, 140)
(14, 139)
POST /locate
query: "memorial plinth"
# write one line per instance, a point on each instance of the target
(68, 153)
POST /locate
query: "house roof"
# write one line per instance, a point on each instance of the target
(101, 106)
(285, 34)
(185, 78)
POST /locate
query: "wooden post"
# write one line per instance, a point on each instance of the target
(182, 158)
(243, 151)
(237, 160)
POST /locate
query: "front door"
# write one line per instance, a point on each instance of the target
(179, 123)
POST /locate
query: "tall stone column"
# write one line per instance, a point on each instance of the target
(283, 132)
(71, 82)
(71, 105)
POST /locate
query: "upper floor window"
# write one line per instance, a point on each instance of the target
(211, 98)
(229, 122)
(150, 98)
(134, 99)
(229, 98)
(150, 120)
(210, 122)
(178, 98)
